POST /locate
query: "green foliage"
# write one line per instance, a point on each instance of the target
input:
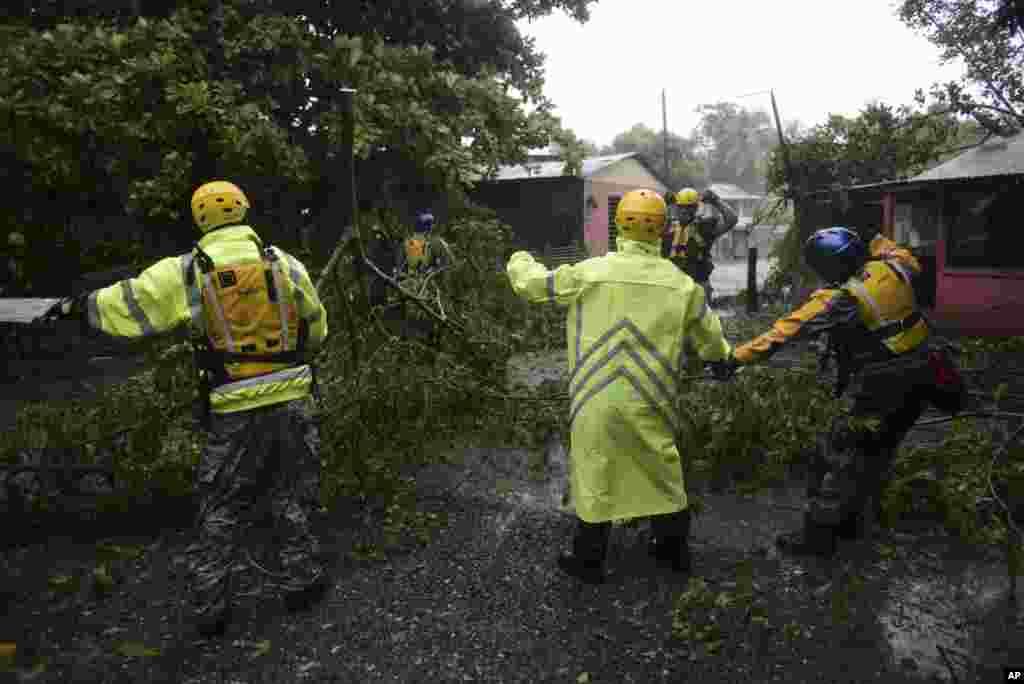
(737, 140)
(950, 480)
(789, 266)
(756, 428)
(991, 89)
(880, 143)
(685, 164)
(710, 621)
(108, 111)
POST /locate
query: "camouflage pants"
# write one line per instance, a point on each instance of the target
(853, 461)
(258, 482)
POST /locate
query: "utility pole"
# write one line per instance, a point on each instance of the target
(664, 129)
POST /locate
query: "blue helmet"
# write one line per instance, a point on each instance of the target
(835, 253)
(424, 221)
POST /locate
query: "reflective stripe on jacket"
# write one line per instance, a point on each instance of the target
(159, 300)
(630, 314)
(879, 296)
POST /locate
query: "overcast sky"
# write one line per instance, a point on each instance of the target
(820, 56)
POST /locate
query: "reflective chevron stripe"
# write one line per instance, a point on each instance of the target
(581, 388)
(624, 324)
(579, 331)
(637, 385)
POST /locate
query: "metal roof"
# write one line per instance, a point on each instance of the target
(728, 191)
(554, 169)
(24, 310)
(999, 157)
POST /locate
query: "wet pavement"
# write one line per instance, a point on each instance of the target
(945, 603)
(730, 277)
(483, 602)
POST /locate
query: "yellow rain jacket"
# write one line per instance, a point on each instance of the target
(876, 301)
(629, 314)
(165, 297)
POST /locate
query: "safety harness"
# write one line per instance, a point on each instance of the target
(211, 364)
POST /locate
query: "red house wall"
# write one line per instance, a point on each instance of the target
(972, 302)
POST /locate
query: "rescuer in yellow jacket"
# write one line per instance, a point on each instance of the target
(255, 318)
(881, 338)
(690, 238)
(630, 313)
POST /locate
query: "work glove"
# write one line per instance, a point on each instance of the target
(709, 196)
(724, 370)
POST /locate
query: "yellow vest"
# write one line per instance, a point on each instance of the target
(249, 314)
(417, 251)
(885, 297)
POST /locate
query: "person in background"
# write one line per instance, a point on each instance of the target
(256, 318)
(689, 241)
(630, 313)
(424, 253)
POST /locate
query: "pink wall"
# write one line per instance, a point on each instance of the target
(976, 302)
(595, 233)
(972, 302)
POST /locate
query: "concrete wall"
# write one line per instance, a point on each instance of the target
(620, 177)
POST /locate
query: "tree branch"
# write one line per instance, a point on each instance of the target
(971, 60)
(988, 134)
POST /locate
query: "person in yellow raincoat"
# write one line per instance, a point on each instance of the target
(882, 340)
(630, 315)
(256, 319)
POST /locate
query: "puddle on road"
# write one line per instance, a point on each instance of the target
(925, 617)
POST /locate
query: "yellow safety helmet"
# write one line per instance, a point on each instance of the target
(641, 215)
(687, 197)
(15, 240)
(218, 203)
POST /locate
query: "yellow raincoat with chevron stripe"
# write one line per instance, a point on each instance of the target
(629, 313)
(162, 300)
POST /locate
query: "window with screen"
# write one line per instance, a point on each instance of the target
(984, 227)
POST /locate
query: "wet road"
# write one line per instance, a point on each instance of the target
(730, 277)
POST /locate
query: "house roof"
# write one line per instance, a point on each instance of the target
(728, 191)
(554, 169)
(1000, 157)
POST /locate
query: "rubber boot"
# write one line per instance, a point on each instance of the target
(813, 540)
(670, 545)
(589, 548)
(304, 599)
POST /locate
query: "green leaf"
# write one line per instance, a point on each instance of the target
(134, 649)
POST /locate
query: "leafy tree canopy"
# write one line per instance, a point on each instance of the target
(129, 103)
(989, 38)
(880, 143)
(736, 141)
(685, 166)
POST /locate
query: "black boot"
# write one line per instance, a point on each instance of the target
(589, 547)
(214, 624)
(304, 599)
(670, 545)
(813, 540)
